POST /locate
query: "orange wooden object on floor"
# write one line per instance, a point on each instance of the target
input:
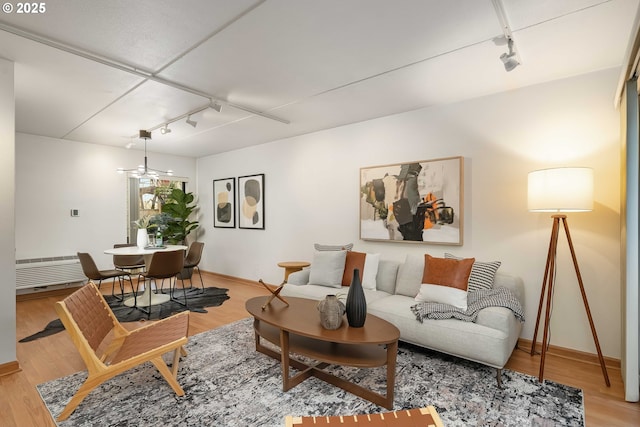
(422, 417)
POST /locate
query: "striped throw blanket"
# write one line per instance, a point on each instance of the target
(476, 301)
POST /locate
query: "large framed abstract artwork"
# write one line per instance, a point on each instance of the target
(224, 203)
(251, 201)
(413, 202)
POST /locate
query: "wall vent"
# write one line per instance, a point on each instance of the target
(36, 272)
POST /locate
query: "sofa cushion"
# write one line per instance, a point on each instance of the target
(327, 268)
(370, 275)
(443, 295)
(299, 277)
(410, 276)
(482, 273)
(387, 275)
(368, 266)
(354, 260)
(320, 292)
(448, 272)
(445, 281)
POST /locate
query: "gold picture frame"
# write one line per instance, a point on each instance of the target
(419, 202)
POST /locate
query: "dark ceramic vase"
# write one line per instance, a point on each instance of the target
(356, 303)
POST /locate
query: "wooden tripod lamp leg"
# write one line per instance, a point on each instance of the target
(548, 277)
(547, 285)
(586, 303)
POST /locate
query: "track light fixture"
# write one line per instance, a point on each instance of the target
(216, 106)
(165, 129)
(144, 171)
(509, 60)
(191, 122)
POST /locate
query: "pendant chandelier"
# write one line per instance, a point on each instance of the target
(144, 171)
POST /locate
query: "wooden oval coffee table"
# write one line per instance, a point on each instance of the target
(296, 329)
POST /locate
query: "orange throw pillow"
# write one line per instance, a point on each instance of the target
(447, 272)
(354, 260)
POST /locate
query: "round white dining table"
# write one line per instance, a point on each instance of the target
(148, 298)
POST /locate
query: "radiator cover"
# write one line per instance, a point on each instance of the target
(36, 272)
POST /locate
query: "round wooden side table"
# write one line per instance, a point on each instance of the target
(289, 267)
(292, 267)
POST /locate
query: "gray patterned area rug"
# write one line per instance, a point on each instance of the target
(227, 383)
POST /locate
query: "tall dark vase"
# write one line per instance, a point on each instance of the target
(356, 303)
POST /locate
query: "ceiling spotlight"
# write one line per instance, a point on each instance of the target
(165, 129)
(216, 107)
(191, 122)
(509, 60)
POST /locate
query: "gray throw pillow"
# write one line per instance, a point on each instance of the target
(327, 268)
(319, 247)
(482, 273)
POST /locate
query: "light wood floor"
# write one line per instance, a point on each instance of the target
(54, 356)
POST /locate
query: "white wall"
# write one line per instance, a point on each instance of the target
(54, 176)
(312, 194)
(7, 195)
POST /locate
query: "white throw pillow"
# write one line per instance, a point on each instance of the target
(370, 271)
(327, 268)
(443, 294)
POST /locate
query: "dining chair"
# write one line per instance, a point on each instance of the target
(163, 265)
(128, 262)
(192, 261)
(90, 269)
(89, 320)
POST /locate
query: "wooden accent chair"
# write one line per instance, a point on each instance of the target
(90, 269)
(89, 320)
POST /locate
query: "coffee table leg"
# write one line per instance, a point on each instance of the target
(284, 359)
(392, 352)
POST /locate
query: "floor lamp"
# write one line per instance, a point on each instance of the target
(560, 190)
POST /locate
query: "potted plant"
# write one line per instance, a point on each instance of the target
(179, 206)
(177, 209)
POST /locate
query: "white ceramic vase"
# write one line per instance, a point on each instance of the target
(142, 238)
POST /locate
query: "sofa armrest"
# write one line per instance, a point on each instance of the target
(513, 283)
(299, 277)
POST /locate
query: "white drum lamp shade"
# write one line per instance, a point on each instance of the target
(561, 190)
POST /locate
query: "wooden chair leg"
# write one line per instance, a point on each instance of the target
(176, 363)
(166, 373)
(83, 391)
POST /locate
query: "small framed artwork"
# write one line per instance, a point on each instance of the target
(251, 201)
(224, 203)
(417, 201)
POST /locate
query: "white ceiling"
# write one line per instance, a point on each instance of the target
(98, 71)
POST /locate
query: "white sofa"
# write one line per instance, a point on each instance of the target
(489, 340)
